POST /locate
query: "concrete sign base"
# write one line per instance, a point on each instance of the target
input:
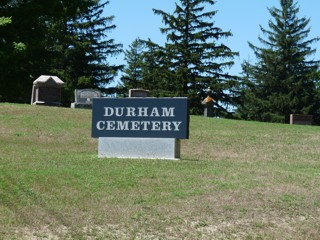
(147, 148)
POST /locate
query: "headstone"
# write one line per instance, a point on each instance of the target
(83, 98)
(208, 110)
(46, 90)
(208, 103)
(301, 119)
(139, 93)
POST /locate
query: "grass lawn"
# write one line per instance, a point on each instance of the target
(235, 180)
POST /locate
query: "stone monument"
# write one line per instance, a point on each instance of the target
(208, 104)
(46, 90)
(83, 98)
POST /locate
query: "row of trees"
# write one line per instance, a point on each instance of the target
(193, 59)
(70, 39)
(56, 37)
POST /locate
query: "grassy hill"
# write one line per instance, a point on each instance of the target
(235, 180)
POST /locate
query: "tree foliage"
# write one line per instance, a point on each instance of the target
(4, 21)
(283, 80)
(193, 57)
(132, 76)
(64, 38)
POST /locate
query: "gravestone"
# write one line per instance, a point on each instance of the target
(139, 93)
(208, 103)
(301, 119)
(208, 109)
(83, 98)
(46, 90)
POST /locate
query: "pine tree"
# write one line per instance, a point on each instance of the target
(23, 33)
(155, 71)
(282, 81)
(147, 68)
(132, 73)
(198, 59)
(64, 38)
(83, 48)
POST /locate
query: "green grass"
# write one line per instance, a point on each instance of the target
(235, 180)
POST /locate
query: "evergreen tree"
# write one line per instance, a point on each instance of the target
(132, 77)
(16, 66)
(147, 68)
(155, 74)
(282, 81)
(198, 59)
(81, 51)
(64, 38)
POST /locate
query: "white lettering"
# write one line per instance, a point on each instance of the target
(166, 126)
(143, 112)
(131, 112)
(168, 112)
(154, 113)
(138, 125)
(123, 125)
(110, 125)
(119, 111)
(108, 111)
(135, 125)
(176, 125)
(139, 112)
(100, 125)
(155, 126)
(145, 125)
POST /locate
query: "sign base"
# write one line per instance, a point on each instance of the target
(147, 148)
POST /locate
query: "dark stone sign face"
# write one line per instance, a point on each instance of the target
(140, 117)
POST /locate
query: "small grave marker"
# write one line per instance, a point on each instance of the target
(83, 98)
(139, 93)
(208, 103)
(301, 119)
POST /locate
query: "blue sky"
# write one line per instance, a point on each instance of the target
(135, 18)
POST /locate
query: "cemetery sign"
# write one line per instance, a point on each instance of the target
(140, 117)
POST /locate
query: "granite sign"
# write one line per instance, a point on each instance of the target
(140, 117)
